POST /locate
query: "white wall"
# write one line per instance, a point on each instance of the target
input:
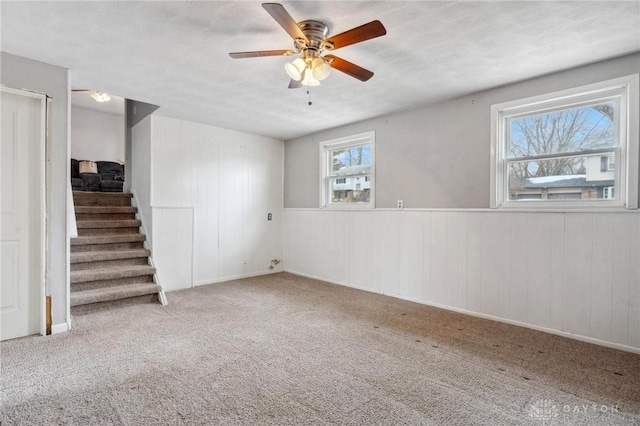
(39, 77)
(571, 273)
(140, 175)
(211, 191)
(96, 136)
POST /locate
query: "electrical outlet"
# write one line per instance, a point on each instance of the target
(269, 216)
(400, 204)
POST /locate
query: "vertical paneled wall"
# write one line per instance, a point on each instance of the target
(573, 273)
(172, 248)
(211, 192)
(140, 176)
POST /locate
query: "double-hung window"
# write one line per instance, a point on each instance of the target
(347, 172)
(574, 148)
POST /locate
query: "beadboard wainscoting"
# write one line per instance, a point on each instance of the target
(210, 194)
(570, 273)
(173, 246)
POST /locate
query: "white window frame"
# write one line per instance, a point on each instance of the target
(624, 90)
(326, 173)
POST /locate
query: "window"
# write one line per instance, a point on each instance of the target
(607, 193)
(607, 163)
(611, 163)
(347, 172)
(573, 148)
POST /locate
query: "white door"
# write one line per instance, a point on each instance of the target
(21, 229)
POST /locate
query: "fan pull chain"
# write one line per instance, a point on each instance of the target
(309, 93)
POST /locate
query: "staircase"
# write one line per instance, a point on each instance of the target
(108, 258)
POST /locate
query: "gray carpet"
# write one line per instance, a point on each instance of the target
(283, 349)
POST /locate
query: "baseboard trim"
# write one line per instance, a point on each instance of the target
(59, 328)
(566, 334)
(237, 277)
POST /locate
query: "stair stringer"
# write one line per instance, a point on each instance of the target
(162, 298)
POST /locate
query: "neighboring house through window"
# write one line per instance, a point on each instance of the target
(578, 147)
(347, 172)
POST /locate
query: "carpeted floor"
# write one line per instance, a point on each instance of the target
(282, 349)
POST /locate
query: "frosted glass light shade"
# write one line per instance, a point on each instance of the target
(295, 69)
(321, 69)
(100, 96)
(308, 79)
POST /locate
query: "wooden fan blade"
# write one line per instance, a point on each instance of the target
(364, 32)
(293, 84)
(282, 17)
(349, 68)
(259, 53)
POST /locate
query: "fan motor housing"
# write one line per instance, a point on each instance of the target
(315, 31)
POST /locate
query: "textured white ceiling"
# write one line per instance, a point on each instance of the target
(175, 54)
(84, 100)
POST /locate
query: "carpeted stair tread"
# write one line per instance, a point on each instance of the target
(107, 239)
(104, 209)
(96, 256)
(102, 194)
(111, 273)
(108, 294)
(133, 245)
(131, 223)
(102, 198)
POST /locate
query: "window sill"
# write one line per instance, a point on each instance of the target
(566, 208)
(348, 207)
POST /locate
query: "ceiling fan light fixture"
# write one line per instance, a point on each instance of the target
(310, 40)
(100, 96)
(295, 69)
(321, 69)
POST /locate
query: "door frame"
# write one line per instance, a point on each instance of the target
(43, 171)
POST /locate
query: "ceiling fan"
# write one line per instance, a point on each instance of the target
(310, 44)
